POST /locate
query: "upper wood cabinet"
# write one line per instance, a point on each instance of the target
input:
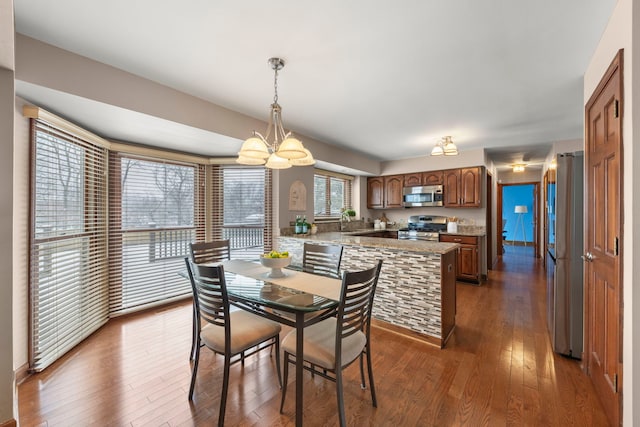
(375, 192)
(423, 178)
(413, 179)
(385, 191)
(462, 187)
(432, 178)
(393, 191)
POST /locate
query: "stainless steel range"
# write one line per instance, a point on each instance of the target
(423, 227)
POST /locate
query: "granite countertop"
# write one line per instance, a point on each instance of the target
(347, 238)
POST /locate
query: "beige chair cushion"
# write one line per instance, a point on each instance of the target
(247, 330)
(320, 344)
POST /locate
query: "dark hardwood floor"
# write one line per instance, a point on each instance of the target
(498, 369)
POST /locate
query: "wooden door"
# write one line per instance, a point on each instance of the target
(413, 179)
(603, 240)
(468, 265)
(375, 193)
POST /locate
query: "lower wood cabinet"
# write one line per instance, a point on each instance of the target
(467, 264)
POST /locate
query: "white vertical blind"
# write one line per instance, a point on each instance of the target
(154, 216)
(68, 257)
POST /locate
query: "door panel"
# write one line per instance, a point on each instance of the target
(603, 344)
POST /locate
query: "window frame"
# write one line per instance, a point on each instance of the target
(347, 181)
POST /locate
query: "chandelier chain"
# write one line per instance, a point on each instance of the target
(275, 87)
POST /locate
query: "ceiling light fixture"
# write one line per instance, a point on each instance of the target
(519, 168)
(445, 147)
(285, 150)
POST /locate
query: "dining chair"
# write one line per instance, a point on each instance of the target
(322, 259)
(212, 251)
(333, 344)
(206, 252)
(234, 334)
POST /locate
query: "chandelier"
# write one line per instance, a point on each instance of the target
(446, 147)
(284, 150)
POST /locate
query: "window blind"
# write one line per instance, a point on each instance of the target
(68, 256)
(156, 210)
(331, 194)
(242, 209)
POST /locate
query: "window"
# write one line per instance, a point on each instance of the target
(152, 222)
(332, 193)
(242, 209)
(68, 256)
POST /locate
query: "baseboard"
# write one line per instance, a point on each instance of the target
(417, 336)
(21, 374)
(9, 423)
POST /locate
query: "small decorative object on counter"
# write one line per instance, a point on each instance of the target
(452, 225)
(298, 226)
(305, 225)
(314, 229)
(376, 224)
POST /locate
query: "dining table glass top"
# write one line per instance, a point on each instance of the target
(269, 294)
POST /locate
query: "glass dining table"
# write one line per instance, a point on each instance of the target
(298, 299)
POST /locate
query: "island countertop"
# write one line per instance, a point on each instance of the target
(348, 238)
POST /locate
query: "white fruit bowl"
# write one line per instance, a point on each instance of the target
(276, 265)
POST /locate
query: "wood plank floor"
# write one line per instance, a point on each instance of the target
(498, 369)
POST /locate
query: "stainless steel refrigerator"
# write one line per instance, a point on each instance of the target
(565, 248)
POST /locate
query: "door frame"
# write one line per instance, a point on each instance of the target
(536, 212)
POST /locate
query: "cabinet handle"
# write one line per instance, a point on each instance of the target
(457, 240)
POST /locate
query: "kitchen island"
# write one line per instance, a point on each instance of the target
(416, 292)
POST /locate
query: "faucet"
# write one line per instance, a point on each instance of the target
(344, 217)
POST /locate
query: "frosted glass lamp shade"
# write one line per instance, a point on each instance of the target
(437, 150)
(277, 162)
(291, 148)
(254, 148)
(521, 209)
(305, 161)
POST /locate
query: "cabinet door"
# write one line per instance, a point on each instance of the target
(375, 193)
(452, 188)
(470, 187)
(413, 179)
(393, 191)
(468, 262)
(432, 178)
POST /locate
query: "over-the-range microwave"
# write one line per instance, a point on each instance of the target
(427, 195)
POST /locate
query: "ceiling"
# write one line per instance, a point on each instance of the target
(385, 79)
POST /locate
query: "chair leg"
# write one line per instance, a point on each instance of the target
(285, 379)
(277, 339)
(362, 383)
(194, 335)
(339, 394)
(225, 389)
(371, 385)
(194, 370)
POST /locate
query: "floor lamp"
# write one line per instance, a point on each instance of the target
(520, 210)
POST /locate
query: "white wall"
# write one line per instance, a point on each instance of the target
(620, 34)
(7, 95)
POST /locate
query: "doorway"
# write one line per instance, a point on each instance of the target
(518, 226)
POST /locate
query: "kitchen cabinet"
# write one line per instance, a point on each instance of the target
(385, 192)
(432, 178)
(423, 178)
(393, 191)
(375, 192)
(462, 187)
(413, 179)
(467, 264)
